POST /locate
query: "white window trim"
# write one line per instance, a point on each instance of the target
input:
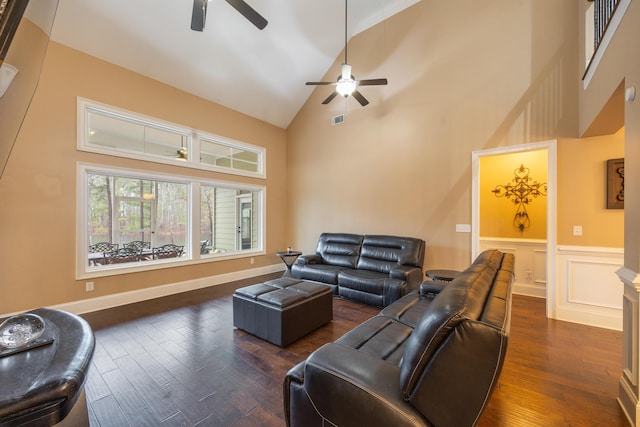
(84, 271)
(194, 136)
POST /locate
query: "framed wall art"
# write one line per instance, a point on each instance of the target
(615, 183)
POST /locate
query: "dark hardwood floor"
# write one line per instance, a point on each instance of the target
(178, 361)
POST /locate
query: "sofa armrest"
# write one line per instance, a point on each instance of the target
(411, 275)
(309, 259)
(431, 288)
(349, 387)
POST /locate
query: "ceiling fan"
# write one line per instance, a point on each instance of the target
(346, 84)
(199, 15)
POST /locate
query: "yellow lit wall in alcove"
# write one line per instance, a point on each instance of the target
(497, 213)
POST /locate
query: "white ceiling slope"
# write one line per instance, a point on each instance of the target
(232, 63)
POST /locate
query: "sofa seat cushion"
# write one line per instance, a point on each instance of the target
(408, 309)
(317, 272)
(370, 287)
(367, 281)
(380, 337)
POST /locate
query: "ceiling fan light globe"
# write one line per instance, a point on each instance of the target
(345, 87)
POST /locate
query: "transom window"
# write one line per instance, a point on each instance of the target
(109, 130)
(130, 220)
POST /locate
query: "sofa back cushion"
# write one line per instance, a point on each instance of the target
(339, 249)
(383, 253)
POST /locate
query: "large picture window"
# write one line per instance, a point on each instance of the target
(132, 221)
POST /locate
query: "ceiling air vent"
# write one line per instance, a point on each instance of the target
(337, 120)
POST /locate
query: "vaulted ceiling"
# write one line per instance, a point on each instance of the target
(231, 62)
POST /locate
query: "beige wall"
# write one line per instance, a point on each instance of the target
(463, 76)
(27, 51)
(402, 165)
(38, 189)
(582, 191)
(620, 65)
(497, 213)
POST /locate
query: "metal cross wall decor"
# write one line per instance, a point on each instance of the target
(522, 192)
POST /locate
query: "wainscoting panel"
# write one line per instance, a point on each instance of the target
(588, 289)
(531, 263)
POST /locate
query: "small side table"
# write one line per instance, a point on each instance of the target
(289, 258)
(442, 275)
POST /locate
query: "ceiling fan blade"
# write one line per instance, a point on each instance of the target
(319, 83)
(330, 98)
(199, 15)
(361, 99)
(372, 82)
(248, 12)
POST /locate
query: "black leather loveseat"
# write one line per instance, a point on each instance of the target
(423, 361)
(374, 270)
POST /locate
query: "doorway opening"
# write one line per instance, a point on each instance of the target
(550, 148)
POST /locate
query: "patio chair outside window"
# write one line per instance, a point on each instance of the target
(168, 251)
(103, 247)
(123, 255)
(138, 245)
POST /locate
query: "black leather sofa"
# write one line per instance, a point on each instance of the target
(422, 361)
(374, 270)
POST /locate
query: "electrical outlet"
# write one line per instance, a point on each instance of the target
(89, 286)
(577, 230)
(463, 228)
(251, 260)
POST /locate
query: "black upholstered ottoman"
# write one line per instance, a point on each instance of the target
(282, 310)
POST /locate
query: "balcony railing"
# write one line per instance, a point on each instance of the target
(602, 12)
(601, 19)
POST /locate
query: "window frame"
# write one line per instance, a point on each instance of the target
(84, 271)
(193, 138)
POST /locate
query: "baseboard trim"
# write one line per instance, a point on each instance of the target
(590, 316)
(529, 290)
(628, 401)
(115, 300)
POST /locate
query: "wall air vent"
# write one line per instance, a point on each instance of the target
(337, 120)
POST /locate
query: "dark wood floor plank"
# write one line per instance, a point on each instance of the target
(158, 401)
(128, 398)
(108, 413)
(96, 388)
(178, 361)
